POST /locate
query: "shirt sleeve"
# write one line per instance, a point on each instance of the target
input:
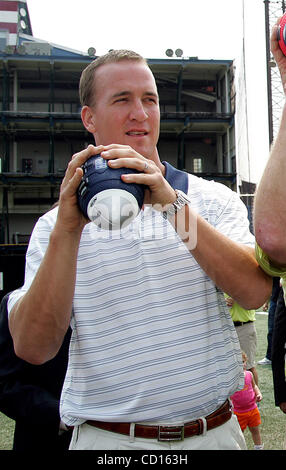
(266, 265)
(274, 271)
(231, 218)
(222, 208)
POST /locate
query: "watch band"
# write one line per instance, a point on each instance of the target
(179, 203)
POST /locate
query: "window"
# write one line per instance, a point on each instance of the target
(197, 165)
(3, 40)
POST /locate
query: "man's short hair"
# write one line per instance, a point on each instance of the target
(87, 82)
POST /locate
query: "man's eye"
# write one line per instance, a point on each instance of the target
(120, 99)
(152, 100)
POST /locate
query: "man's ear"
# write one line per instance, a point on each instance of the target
(88, 119)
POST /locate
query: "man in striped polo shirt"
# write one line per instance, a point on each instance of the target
(154, 355)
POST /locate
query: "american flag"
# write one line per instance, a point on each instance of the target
(14, 19)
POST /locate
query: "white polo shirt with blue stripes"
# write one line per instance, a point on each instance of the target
(152, 337)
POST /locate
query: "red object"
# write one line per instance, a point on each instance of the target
(281, 35)
(9, 6)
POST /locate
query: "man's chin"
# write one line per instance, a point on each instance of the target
(144, 150)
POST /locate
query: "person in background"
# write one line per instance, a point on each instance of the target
(153, 348)
(271, 316)
(245, 406)
(30, 394)
(278, 354)
(270, 198)
(244, 322)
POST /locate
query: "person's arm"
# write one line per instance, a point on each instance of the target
(270, 199)
(40, 319)
(278, 353)
(258, 394)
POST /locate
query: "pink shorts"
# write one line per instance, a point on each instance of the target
(249, 418)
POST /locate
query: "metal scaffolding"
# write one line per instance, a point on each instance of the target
(273, 10)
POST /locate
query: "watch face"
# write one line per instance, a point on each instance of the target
(182, 197)
(181, 201)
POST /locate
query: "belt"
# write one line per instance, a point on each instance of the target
(173, 432)
(240, 323)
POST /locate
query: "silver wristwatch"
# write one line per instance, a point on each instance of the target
(181, 201)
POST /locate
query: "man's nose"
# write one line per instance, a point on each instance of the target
(138, 111)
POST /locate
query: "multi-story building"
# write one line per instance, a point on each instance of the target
(41, 129)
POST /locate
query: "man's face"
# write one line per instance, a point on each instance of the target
(126, 109)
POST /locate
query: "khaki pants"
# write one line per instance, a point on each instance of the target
(225, 437)
(248, 342)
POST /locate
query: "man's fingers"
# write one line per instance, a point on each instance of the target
(81, 157)
(78, 159)
(139, 164)
(75, 180)
(70, 184)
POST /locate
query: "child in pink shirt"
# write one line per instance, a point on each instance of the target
(245, 406)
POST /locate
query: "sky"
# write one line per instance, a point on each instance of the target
(209, 29)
